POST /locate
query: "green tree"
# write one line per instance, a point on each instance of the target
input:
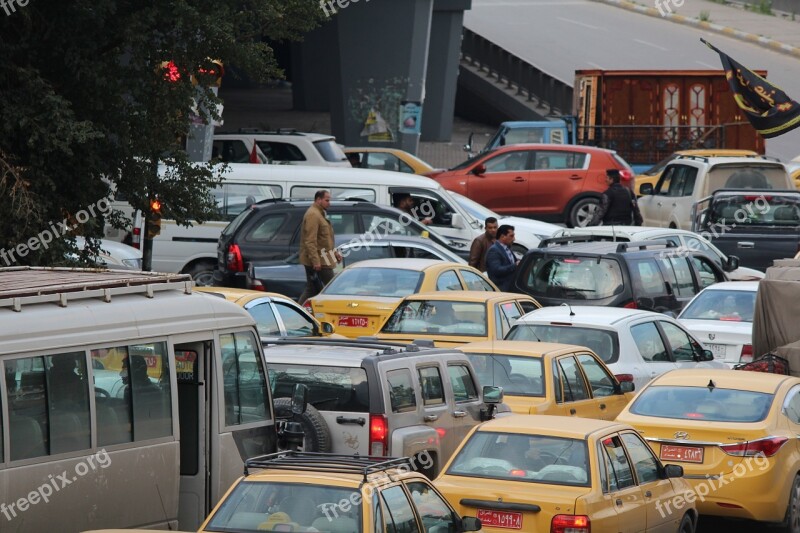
(86, 106)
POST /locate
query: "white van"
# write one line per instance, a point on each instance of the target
(193, 250)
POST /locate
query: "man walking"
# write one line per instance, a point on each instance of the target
(501, 263)
(317, 249)
(481, 244)
(618, 205)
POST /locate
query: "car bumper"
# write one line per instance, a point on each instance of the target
(236, 280)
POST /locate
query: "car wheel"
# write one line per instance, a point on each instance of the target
(202, 273)
(317, 435)
(582, 212)
(687, 524)
(792, 520)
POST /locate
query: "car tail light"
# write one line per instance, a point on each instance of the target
(567, 523)
(625, 175)
(378, 435)
(767, 447)
(747, 354)
(749, 198)
(233, 260)
(631, 305)
(255, 285)
(624, 377)
(307, 306)
(136, 239)
(517, 473)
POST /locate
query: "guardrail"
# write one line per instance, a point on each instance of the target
(546, 90)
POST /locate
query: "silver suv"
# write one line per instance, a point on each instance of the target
(377, 398)
(288, 147)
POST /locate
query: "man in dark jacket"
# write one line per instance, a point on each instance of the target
(501, 264)
(481, 244)
(618, 205)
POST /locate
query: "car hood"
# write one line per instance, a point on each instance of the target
(745, 274)
(536, 227)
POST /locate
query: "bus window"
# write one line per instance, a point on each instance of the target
(243, 374)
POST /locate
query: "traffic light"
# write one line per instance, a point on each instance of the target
(154, 220)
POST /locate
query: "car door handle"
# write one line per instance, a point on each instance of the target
(459, 414)
(746, 244)
(572, 411)
(343, 420)
(618, 501)
(430, 418)
(648, 494)
(519, 179)
(575, 177)
(602, 406)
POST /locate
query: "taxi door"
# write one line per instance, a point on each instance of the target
(573, 398)
(621, 507)
(609, 401)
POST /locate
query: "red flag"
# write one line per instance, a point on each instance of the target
(254, 155)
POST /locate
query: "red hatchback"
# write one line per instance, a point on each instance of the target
(563, 182)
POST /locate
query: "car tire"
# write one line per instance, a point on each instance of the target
(687, 524)
(582, 211)
(202, 273)
(791, 524)
(317, 435)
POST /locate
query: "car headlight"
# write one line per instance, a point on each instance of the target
(133, 263)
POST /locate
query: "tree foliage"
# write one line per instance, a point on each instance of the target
(85, 103)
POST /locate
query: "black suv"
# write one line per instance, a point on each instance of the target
(270, 230)
(651, 275)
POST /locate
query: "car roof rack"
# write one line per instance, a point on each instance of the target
(260, 131)
(544, 243)
(325, 462)
(388, 348)
(643, 245)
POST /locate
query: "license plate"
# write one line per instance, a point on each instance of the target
(719, 350)
(687, 454)
(501, 519)
(353, 321)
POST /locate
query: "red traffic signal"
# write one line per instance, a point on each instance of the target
(155, 205)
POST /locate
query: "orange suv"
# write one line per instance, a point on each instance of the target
(561, 182)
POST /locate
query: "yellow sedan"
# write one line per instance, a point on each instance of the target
(734, 432)
(388, 159)
(548, 473)
(455, 318)
(653, 174)
(360, 298)
(549, 379)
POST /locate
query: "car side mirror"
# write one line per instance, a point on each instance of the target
(468, 146)
(708, 355)
(479, 170)
(457, 221)
(327, 328)
(671, 471)
(299, 399)
(646, 188)
(731, 264)
(470, 523)
(626, 386)
(492, 395)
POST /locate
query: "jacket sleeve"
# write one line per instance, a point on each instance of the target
(601, 211)
(637, 215)
(495, 264)
(310, 231)
(475, 253)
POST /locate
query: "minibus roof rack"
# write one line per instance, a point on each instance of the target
(35, 285)
(326, 462)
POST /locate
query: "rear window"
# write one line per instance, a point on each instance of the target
(527, 458)
(440, 317)
(519, 376)
(231, 228)
(728, 306)
(602, 342)
(330, 388)
(756, 210)
(710, 404)
(259, 506)
(750, 176)
(330, 151)
(573, 278)
(389, 282)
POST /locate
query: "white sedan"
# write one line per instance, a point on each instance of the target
(636, 345)
(721, 316)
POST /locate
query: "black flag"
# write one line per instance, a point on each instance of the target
(766, 106)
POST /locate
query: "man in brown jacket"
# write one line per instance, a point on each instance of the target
(318, 253)
(481, 245)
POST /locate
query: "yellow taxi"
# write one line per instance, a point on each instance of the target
(796, 178)
(360, 298)
(293, 491)
(549, 379)
(453, 318)
(388, 159)
(547, 473)
(736, 435)
(275, 315)
(652, 174)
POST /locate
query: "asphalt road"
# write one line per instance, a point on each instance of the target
(561, 36)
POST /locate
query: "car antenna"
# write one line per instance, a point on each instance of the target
(571, 312)
(711, 386)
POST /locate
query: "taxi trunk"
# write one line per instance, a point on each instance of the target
(503, 508)
(353, 318)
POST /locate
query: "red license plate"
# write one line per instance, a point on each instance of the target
(687, 454)
(501, 519)
(353, 321)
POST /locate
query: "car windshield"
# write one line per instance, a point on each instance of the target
(756, 210)
(658, 167)
(440, 317)
(475, 209)
(330, 388)
(519, 376)
(574, 278)
(527, 458)
(728, 306)
(254, 506)
(603, 342)
(746, 176)
(369, 281)
(709, 404)
(469, 162)
(330, 151)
